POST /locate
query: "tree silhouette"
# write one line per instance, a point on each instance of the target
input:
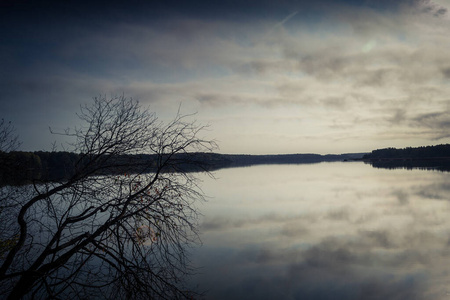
(117, 228)
(8, 142)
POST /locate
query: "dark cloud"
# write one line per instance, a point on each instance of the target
(342, 214)
(429, 7)
(382, 77)
(223, 99)
(398, 117)
(325, 64)
(218, 99)
(402, 197)
(435, 120)
(295, 229)
(441, 12)
(332, 255)
(402, 68)
(435, 191)
(334, 102)
(446, 72)
(379, 239)
(292, 225)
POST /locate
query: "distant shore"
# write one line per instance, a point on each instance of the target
(26, 167)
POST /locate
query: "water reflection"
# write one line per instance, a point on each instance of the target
(325, 231)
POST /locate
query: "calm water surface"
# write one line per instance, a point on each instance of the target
(325, 231)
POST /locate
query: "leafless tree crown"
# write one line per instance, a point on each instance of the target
(121, 226)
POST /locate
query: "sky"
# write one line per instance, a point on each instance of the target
(266, 76)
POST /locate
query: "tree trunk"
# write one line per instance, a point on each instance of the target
(23, 286)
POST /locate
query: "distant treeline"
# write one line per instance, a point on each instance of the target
(427, 157)
(438, 151)
(26, 167)
(237, 160)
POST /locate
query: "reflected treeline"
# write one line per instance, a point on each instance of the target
(424, 158)
(18, 168)
(409, 164)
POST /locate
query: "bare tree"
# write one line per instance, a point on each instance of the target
(9, 141)
(121, 225)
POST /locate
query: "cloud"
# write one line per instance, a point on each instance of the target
(429, 7)
(439, 122)
(446, 72)
(299, 222)
(331, 269)
(402, 197)
(346, 66)
(434, 191)
(342, 214)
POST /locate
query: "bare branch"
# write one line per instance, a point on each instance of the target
(119, 226)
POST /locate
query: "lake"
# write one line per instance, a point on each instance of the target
(340, 230)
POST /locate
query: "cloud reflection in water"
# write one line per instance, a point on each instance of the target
(325, 231)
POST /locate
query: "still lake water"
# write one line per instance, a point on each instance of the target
(324, 231)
